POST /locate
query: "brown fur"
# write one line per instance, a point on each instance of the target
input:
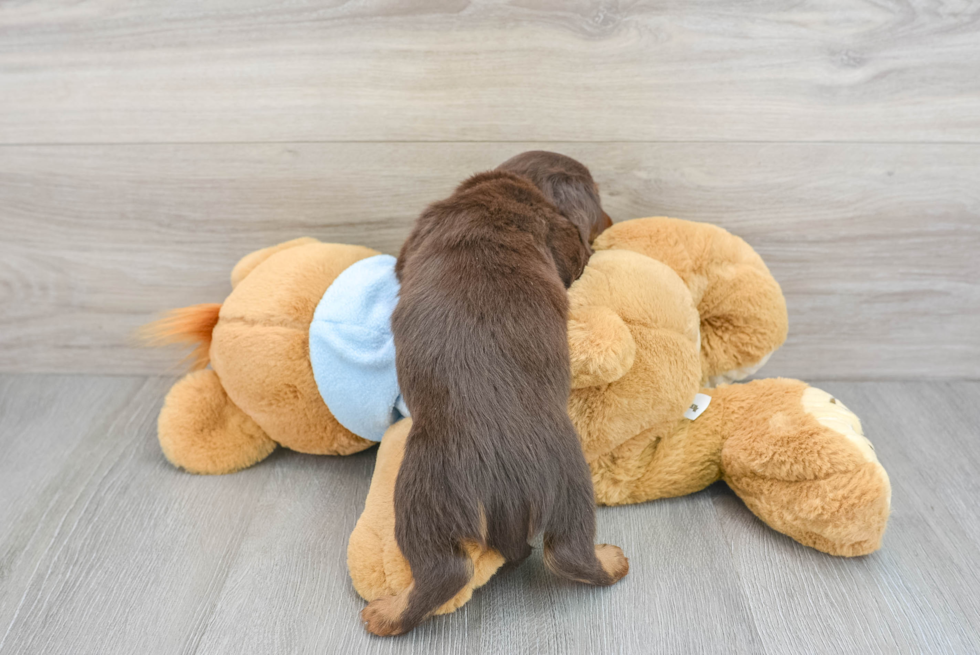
(482, 358)
(383, 616)
(567, 185)
(189, 326)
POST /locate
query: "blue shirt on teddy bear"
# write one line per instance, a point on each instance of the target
(352, 349)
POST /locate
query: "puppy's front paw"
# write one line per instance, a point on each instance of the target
(382, 617)
(613, 561)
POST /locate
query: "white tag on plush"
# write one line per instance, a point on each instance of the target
(701, 402)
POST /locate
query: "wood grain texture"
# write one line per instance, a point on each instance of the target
(114, 553)
(527, 611)
(875, 245)
(452, 70)
(45, 424)
(107, 549)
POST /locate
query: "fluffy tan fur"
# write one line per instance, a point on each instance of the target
(203, 431)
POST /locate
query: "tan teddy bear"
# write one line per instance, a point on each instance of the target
(664, 307)
(260, 391)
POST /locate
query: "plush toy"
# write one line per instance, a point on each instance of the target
(664, 308)
(261, 390)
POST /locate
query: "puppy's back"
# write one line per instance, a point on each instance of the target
(482, 358)
(483, 361)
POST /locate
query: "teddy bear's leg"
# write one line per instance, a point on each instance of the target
(202, 431)
(661, 462)
(377, 567)
(799, 459)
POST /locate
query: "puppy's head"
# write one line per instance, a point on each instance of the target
(568, 185)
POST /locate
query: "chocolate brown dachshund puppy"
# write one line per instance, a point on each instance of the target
(482, 357)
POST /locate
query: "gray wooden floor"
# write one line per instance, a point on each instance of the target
(104, 548)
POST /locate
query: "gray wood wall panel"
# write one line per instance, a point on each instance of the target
(875, 244)
(452, 70)
(108, 549)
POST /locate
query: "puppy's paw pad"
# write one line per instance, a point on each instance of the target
(613, 561)
(382, 617)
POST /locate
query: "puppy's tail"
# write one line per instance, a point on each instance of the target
(189, 326)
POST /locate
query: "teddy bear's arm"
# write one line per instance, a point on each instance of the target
(601, 348)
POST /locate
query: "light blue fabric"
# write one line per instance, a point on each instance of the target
(352, 349)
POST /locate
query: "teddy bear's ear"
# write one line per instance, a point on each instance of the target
(600, 345)
(248, 263)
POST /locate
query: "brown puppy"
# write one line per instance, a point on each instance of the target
(482, 358)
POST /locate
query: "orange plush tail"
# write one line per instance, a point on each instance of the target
(191, 326)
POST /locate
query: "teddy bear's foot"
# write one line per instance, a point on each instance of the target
(800, 461)
(832, 413)
(863, 505)
(202, 431)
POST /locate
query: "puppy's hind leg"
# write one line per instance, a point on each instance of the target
(514, 560)
(438, 576)
(569, 542)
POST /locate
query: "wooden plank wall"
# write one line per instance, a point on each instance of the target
(145, 147)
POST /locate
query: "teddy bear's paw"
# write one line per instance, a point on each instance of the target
(613, 561)
(860, 500)
(382, 616)
(832, 413)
